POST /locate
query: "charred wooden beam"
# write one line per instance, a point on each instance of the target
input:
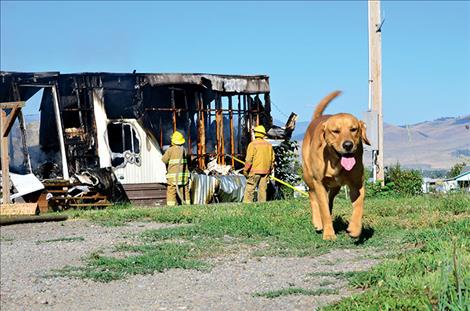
(161, 134)
(173, 106)
(239, 129)
(267, 102)
(221, 122)
(24, 145)
(5, 158)
(10, 120)
(188, 124)
(218, 134)
(249, 126)
(79, 106)
(178, 110)
(12, 105)
(201, 131)
(232, 141)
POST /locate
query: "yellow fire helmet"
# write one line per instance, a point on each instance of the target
(177, 138)
(260, 131)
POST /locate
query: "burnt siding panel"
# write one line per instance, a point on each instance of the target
(6, 90)
(8, 79)
(118, 82)
(120, 104)
(120, 96)
(26, 92)
(48, 136)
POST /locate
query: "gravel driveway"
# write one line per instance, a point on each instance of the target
(229, 285)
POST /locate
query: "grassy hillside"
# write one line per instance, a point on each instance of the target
(423, 243)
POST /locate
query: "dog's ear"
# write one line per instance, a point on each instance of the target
(365, 140)
(322, 135)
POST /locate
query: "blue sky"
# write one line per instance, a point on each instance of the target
(307, 48)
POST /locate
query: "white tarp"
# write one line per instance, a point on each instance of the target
(25, 184)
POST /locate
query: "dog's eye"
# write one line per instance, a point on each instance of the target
(336, 131)
(354, 129)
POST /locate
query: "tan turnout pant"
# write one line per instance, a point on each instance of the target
(253, 181)
(172, 197)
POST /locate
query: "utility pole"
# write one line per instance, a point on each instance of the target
(375, 84)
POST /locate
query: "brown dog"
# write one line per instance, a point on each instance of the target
(332, 157)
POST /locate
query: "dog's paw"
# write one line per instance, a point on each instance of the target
(329, 237)
(354, 231)
(329, 234)
(317, 223)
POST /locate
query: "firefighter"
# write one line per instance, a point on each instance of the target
(178, 173)
(259, 163)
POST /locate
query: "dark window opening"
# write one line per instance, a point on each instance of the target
(123, 142)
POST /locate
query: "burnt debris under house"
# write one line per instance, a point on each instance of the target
(107, 131)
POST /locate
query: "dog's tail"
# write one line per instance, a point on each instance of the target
(324, 103)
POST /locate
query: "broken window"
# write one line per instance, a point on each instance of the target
(124, 143)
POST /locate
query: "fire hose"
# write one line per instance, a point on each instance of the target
(274, 178)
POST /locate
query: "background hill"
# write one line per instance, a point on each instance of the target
(437, 144)
(429, 145)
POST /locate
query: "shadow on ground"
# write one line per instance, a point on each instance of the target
(340, 225)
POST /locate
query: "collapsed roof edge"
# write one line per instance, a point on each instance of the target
(217, 82)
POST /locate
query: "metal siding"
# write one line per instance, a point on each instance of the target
(152, 169)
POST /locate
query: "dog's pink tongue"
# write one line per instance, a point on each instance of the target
(348, 163)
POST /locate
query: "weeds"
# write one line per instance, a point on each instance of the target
(157, 258)
(431, 273)
(326, 283)
(297, 291)
(64, 239)
(335, 274)
(455, 284)
(6, 239)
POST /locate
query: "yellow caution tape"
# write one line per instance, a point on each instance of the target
(274, 178)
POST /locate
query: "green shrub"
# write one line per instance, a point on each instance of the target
(287, 166)
(456, 169)
(375, 189)
(398, 181)
(405, 182)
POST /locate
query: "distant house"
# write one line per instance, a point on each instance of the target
(459, 182)
(430, 184)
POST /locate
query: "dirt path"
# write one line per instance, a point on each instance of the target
(229, 285)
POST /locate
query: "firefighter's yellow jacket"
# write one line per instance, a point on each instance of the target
(177, 162)
(259, 157)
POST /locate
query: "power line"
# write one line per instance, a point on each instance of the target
(279, 110)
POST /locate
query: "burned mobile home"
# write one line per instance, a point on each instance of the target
(122, 123)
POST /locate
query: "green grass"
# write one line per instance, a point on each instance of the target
(433, 269)
(336, 274)
(64, 239)
(297, 291)
(426, 239)
(152, 258)
(6, 239)
(326, 283)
